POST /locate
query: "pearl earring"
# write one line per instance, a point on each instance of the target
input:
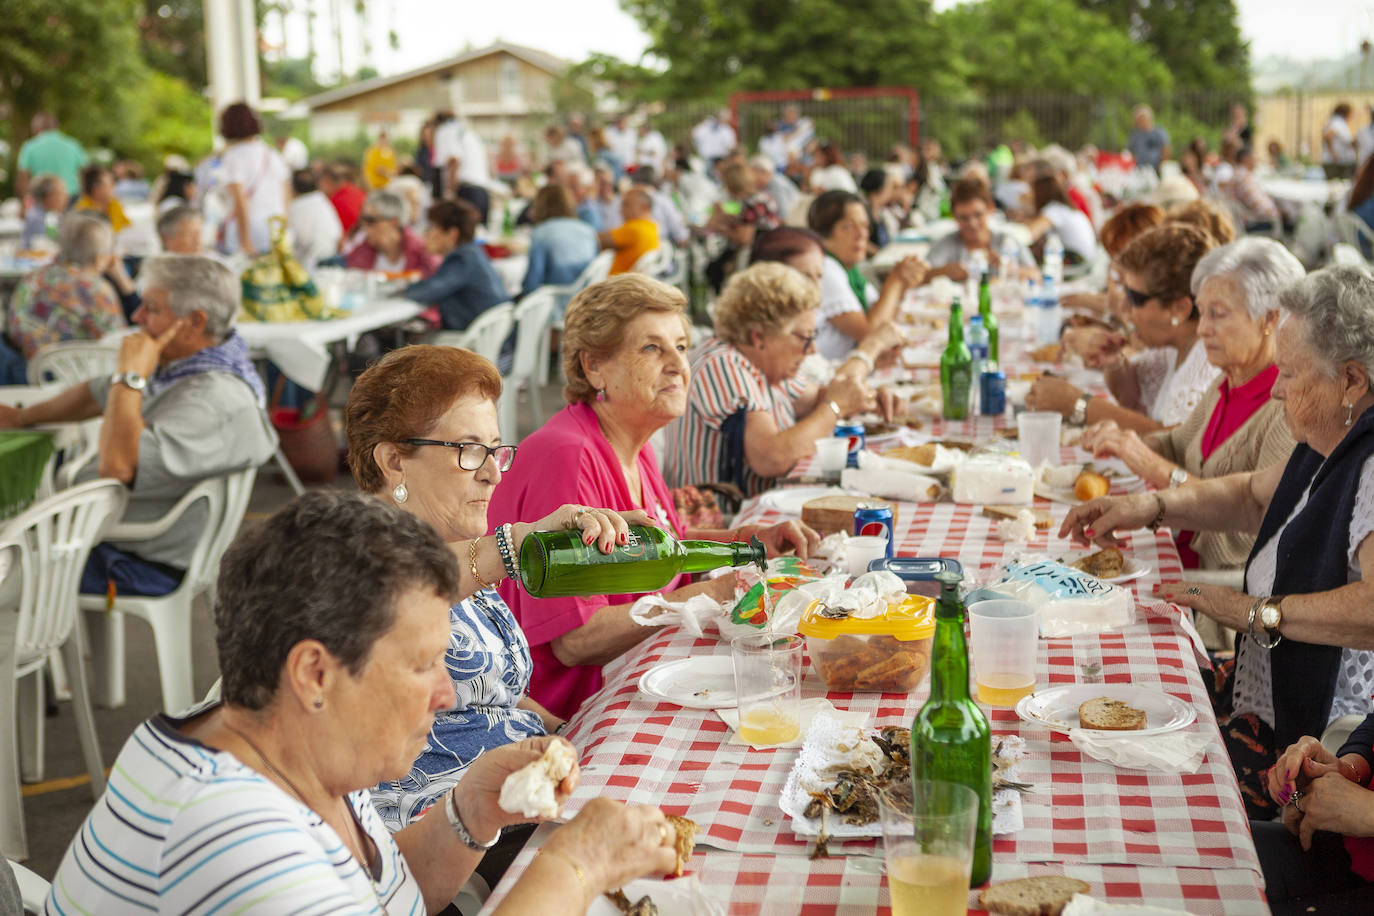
(400, 493)
(1173, 322)
(1349, 414)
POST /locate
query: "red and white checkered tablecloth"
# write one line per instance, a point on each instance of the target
(1135, 835)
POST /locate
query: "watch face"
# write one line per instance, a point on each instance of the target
(1270, 616)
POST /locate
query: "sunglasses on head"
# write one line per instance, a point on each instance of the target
(1137, 298)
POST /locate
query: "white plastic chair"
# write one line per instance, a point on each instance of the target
(531, 321)
(33, 890)
(47, 545)
(596, 271)
(1352, 230)
(656, 263)
(225, 499)
(1347, 255)
(71, 363)
(485, 335)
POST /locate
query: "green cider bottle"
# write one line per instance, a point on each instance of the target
(950, 737)
(554, 564)
(989, 320)
(956, 368)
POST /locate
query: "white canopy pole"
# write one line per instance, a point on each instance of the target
(231, 53)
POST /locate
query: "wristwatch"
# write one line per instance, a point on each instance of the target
(130, 380)
(1269, 613)
(1080, 410)
(1178, 477)
(836, 408)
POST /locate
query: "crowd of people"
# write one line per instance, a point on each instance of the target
(1239, 388)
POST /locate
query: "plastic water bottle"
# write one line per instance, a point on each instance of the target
(1010, 260)
(1054, 257)
(1047, 311)
(977, 342)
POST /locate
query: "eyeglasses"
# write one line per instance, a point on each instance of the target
(806, 339)
(472, 455)
(367, 219)
(1137, 298)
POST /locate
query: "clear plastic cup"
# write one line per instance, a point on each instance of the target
(1005, 637)
(1038, 435)
(862, 550)
(831, 454)
(928, 834)
(768, 673)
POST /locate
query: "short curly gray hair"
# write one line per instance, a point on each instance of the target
(1336, 305)
(83, 239)
(1261, 267)
(387, 205)
(196, 283)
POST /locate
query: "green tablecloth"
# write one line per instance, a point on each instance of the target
(23, 456)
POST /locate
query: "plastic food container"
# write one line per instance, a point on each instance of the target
(918, 572)
(889, 653)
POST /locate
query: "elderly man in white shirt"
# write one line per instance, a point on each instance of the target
(652, 149)
(313, 221)
(459, 154)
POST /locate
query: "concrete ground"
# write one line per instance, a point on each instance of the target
(55, 808)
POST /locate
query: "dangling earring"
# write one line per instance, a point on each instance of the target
(1349, 414)
(1173, 321)
(601, 394)
(400, 493)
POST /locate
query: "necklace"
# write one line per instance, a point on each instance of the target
(353, 849)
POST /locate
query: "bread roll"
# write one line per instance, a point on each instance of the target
(1090, 485)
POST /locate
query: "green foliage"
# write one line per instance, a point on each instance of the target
(1198, 40)
(166, 116)
(291, 78)
(173, 37)
(716, 47)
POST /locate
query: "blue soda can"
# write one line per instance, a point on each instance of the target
(994, 392)
(874, 520)
(854, 432)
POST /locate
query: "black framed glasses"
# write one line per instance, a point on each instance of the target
(472, 455)
(368, 219)
(806, 340)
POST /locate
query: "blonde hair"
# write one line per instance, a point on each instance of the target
(762, 297)
(595, 323)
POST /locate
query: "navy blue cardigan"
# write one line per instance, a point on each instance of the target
(1312, 557)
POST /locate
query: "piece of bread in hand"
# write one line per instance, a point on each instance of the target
(686, 841)
(531, 790)
(1046, 895)
(1110, 715)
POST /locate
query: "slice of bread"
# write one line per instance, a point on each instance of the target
(1107, 563)
(1046, 895)
(1043, 519)
(924, 455)
(1110, 715)
(686, 841)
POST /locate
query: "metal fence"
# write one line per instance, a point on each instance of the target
(870, 121)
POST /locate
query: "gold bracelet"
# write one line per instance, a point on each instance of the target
(472, 564)
(577, 869)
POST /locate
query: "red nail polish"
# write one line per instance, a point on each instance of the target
(1090, 533)
(587, 539)
(623, 538)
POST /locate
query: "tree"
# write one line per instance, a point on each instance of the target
(1198, 40)
(76, 58)
(712, 48)
(173, 35)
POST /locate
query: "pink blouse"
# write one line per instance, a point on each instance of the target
(570, 461)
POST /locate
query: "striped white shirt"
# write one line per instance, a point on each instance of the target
(184, 828)
(723, 381)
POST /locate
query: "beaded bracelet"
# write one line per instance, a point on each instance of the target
(505, 535)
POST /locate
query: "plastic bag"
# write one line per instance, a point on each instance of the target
(277, 288)
(1070, 602)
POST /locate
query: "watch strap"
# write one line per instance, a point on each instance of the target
(460, 830)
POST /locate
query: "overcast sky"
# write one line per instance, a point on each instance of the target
(1323, 28)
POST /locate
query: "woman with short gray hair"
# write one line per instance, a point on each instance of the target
(68, 299)
(382, 241)
(1302, 658)
(1236, 426)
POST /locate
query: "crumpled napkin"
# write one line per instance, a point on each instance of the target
(1083, 905)
(1175, 752)
(809, 709)
(691, 615)
(1017, 530)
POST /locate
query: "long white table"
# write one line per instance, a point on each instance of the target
(303, 350)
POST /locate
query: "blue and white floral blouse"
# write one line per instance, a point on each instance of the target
(489, 661)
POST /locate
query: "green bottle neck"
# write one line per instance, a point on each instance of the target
(949, 658)
(956, 324)
(707, 555)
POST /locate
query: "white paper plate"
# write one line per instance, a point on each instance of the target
(1131, 568)
(790, 500)
(699, 682)
(1056, 708)
(678, 897)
